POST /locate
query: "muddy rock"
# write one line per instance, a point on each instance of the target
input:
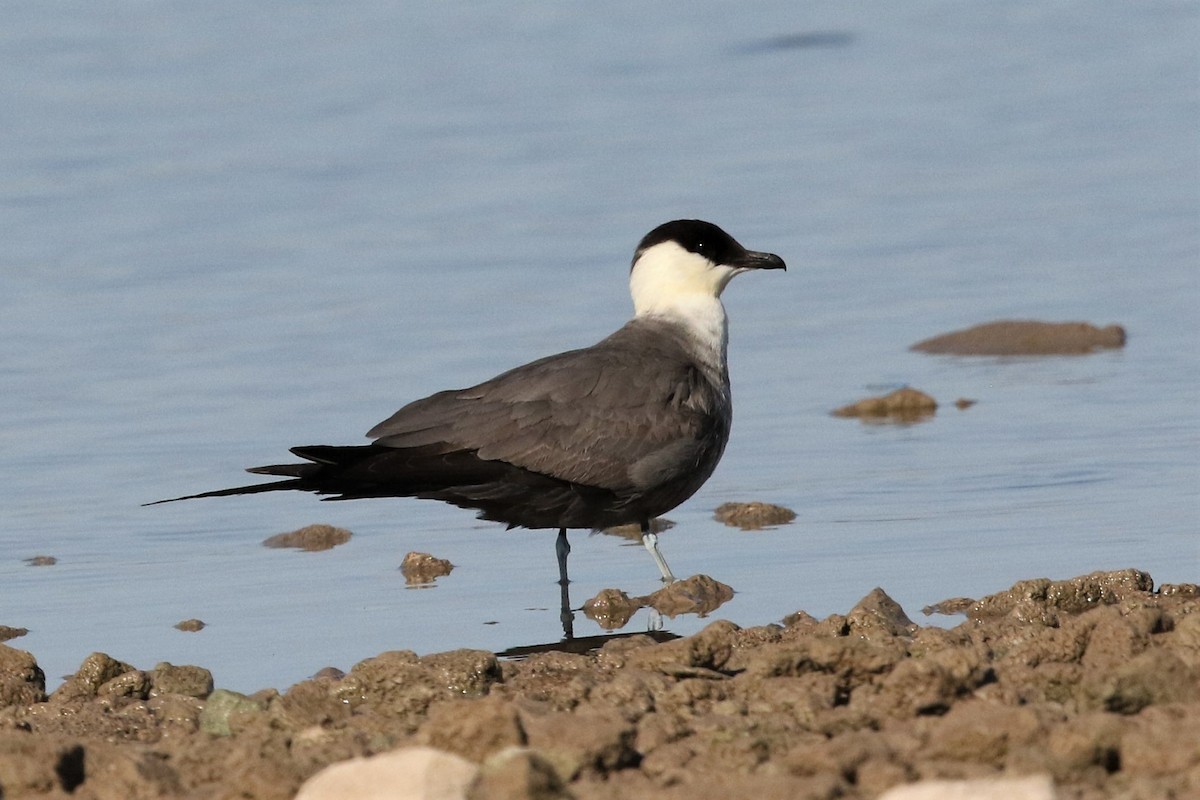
(422, 569)
(311, 538)
(7, 633)
(226, 711)
(582, 743)
(517, 773)
(186, 680)
(472, 728)
(698, 594)
(710, 649)
(135, 684)
(879, 615)
(41, 561)
(611, 609)
(1023, 337)
(22, 681)
(35, 767)
(190, 625)
(949, 606)
(753, 516)
(95, 671)
(903, 405)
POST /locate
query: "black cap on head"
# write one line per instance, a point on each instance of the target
(708, 240)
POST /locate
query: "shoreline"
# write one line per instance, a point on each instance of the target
(1092, 684)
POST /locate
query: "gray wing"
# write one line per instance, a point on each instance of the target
(605, 416)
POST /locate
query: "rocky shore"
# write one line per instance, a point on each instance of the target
(1089, 688)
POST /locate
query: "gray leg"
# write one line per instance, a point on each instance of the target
(563, 548)
(650, 540)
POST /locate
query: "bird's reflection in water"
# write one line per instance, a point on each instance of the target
(612, 609)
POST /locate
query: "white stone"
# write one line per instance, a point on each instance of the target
(410, 773)
(1037, 787)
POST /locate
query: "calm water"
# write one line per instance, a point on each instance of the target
(227, 231)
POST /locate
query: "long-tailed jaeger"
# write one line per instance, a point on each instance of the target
(616, 433)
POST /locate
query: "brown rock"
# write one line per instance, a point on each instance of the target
(33, 766)
(753, 516)
(903, 405)
(177, 711)
(41, 561)
(316, 701)
(1152, 678)
(310, 538)
(584, 742)
(474, 728)
(517, 774)
(975, 730)
(1161, 742)
(879, 615)
(709, 649)
(401, 686)
(1019, 337)
(1044, 597)
(133, 684)
(95, 671)
(611, 609)
(953, 605)
(21, 679)
(190, 625)
(7, 633)
(422, 569)
(929, 685)
(185, 680)
(698, 594)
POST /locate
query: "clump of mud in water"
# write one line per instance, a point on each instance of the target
(753, 516)
(422, 569)
(612, 609)
(1025, 338)
(310, 538)
(905, 405)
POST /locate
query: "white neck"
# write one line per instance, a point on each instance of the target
(672, 283)
(704, 320)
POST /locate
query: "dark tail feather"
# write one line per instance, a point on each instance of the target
(255, 489)
(302, 475)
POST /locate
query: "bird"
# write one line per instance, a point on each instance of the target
(612, 434)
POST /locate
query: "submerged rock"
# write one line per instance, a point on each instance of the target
(612, 609)
(1024, 338)
(7, 633)
(310, 538)
(753, 516)
(422, 569)
(699, 594)
(902, 405)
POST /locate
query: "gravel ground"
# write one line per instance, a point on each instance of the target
(1094, 682)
